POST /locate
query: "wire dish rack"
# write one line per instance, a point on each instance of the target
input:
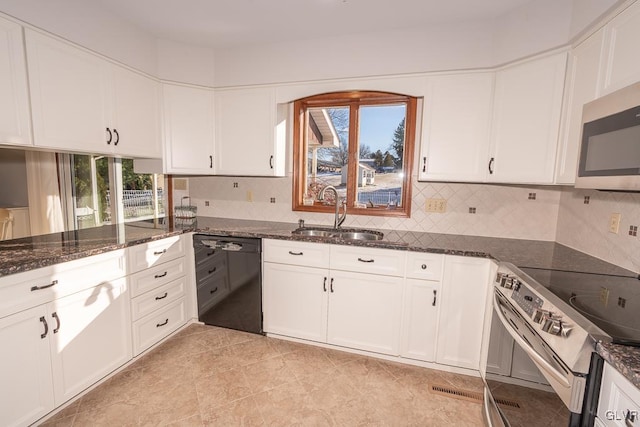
(186, 214)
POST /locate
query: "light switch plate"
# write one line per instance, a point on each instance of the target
(614, 223)
(436, 205)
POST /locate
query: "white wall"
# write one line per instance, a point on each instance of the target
(82, 22)
(183, 63)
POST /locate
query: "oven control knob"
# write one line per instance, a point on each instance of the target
(539, 315)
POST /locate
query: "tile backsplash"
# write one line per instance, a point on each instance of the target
(583, 224)
(472, 209)
(576, 218)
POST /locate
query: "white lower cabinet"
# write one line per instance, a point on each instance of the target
(58, 349)
(619, 403)
(420, 306)
(464, 298)
(295, 301)
(365, 311)
(91, 336)
(346, 308)
(26, 384)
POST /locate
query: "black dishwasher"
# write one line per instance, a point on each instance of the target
(229, 285)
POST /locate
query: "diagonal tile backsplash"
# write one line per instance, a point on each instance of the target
(500, 211)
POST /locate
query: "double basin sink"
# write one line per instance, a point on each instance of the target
(346, 233)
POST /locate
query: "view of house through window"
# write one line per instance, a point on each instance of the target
(355, 142)
(96, 180)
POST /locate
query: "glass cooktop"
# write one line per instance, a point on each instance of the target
(610, 301)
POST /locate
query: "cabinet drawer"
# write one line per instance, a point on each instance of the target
(158, 298)
(619, 399)
(152, 328)
(205, 255)
(296, 253)
(155, 252)
(146, 280)
(425, 266)
(368, 260)
(24, 290)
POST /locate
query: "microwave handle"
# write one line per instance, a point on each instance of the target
(540, 361)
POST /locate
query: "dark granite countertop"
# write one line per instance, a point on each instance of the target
(624, 358)
(25, 254)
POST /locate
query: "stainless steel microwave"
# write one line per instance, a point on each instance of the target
(610, 145)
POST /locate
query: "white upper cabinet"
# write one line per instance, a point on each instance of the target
(82, 102)
(188, 129)
(621, 64)
(455, 130)
(583, 76)
(526, 120)
(136, 114)
(250, 133)
(15, 117)
(69, 97)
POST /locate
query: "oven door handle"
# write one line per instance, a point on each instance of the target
(540, 361)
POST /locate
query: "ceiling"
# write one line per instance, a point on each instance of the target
(228, 23)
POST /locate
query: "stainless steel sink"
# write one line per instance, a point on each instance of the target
(360, 235)
(347, 234)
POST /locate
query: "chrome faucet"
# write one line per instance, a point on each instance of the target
(339, 219)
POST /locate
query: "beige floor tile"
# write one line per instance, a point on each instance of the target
(207, 376)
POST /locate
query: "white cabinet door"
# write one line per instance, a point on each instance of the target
(246, 133)
(136, 114)
(295, 301)
(455, 129)
(621, 65)
(188, 129)
(420, 314)
(26, 387)
(526, 119)
(91, 337)
(464, 296)
(583, 77)
(15, 116)
(365, 312)
(69, 96)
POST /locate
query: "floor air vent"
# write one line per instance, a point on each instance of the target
(457, 393)
(469, 395)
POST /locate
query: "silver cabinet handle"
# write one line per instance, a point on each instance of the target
(55, 316)
(162, 324)
(39, 288)
(324, 285)
(46, 327)
(157, 276)
(117, 137)
(331, 285)
(365, 260)
(296, 253)
(423, 266)
(164, 251)
(435, 293)
(491, 165)
(162, 297)
(424, 164)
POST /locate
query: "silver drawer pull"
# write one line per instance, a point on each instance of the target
(164, 251)
(46, 327)
(157, 276)
(295, 253)
(365, 260)
(214, 290)
(213, 270)
(424, 266)
(55, 316)
(162, 324)
(38, 288)
(165, 295)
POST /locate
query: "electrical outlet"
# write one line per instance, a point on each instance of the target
(436, 205)
(604, 295)
(249, 196)
(206, 203)
(614, 223)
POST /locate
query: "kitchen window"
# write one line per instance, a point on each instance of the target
(101, 190)
(361, 143)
